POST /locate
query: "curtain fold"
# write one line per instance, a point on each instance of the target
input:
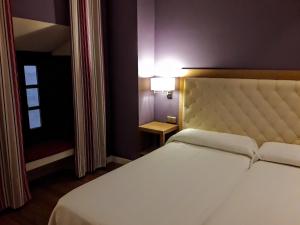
(14, 191)
(88, 83)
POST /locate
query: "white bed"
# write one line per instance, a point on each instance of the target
(178, 184)
(184, 183)
(268, 195)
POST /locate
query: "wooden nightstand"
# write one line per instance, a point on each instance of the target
(159, 128)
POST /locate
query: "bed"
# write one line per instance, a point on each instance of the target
(269, 194)
(191, 178)
(181, 183)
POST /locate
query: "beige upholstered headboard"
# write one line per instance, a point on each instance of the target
(266, 110)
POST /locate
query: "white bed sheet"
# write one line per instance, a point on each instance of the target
(178, 184)
(269, 194)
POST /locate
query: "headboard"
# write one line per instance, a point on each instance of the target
(264, 109)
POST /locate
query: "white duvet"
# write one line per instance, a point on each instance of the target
(179, 184)
(269, 194)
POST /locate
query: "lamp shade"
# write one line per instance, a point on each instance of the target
(163, 84)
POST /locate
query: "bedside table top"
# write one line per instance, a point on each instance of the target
(158, 127)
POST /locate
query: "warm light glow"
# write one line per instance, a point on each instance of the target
(168, 68)
(163, 84)
(146, 67)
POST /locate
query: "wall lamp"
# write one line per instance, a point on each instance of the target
(163, 85)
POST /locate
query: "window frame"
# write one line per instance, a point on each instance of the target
(32, 86)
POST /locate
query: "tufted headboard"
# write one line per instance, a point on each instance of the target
(266, 110)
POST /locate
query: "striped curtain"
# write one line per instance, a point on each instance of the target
(14, 191)
(89, 90)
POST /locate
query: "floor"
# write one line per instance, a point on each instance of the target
(45, 194)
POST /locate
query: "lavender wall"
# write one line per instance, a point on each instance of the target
(255, 34)
(52, 11)
(146, 29)
(123, 78)
(146, 46)
(146, 101)
(229, 33)
(164, 107)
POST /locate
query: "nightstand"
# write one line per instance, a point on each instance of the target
(159, 128)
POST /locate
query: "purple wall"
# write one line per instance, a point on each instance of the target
(254, 34)
(52, 11)
(123, 78)
(146, 46)
(146, 101)
(146, 29)
(229, 34)
(164, 107)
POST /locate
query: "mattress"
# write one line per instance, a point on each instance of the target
(174, 185)
(269, 194)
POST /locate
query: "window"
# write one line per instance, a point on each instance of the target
(33, 98)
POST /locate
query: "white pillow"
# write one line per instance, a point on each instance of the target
(227, 142)
(280, 153)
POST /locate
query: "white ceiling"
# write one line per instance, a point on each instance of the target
(37, 36)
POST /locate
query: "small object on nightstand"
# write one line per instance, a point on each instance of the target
(171, 119)
(159, 128)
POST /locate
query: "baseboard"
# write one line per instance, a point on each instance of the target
(117, 159)
(57, 157)
(48, 160)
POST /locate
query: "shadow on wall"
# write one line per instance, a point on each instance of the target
(62, 6)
